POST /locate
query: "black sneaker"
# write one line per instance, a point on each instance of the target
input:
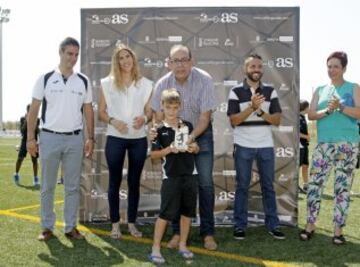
(239, 234)
(277, 234)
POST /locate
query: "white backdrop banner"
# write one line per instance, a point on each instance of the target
(220, 39)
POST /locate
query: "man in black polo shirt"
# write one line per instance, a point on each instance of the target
(180, 181)
(252, 108)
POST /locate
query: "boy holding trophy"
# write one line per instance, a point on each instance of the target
(179, 187)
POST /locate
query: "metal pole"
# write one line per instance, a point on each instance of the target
(3, 18)
(1, 81)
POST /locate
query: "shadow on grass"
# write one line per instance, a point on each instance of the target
(30, 187)
(140, 248)
(81, 253)
(258, 245)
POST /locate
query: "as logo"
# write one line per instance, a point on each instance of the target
(284, 62)
(119, 19)
(285, 152)
(229, 17)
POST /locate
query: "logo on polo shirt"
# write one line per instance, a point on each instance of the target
(77, 93)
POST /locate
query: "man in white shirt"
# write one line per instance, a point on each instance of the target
(65, 96)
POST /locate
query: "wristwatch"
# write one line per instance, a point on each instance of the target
(261, 113)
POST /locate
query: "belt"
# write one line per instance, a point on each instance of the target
(76, 132)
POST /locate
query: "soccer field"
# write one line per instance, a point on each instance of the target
(19, 226)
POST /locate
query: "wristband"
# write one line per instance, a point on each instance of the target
(327, 112)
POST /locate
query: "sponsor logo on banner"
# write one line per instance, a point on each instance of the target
(257, 40)
(270, 18)
(286, 38)
(159, 18)
(229, 172)
(222, 107)
(94, 194)
(170, 39)
(148, 63)
(284, 87)
(285, 218)
(255, 177)
(216, 62)
(118, 42)
(283, 178)
(225, 17)
(280, 62)
(110, 19)
(147, 40)
(282, 39)
(284, 129)
(100, 43)
(285, 152)
(230, 82)
(100, 62)
(208, 42)
(225, 196)
(228, 42)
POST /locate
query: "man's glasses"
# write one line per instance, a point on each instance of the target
(181, 61)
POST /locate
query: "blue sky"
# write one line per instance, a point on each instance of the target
(31, 38)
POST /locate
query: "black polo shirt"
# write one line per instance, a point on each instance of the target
(173, 165)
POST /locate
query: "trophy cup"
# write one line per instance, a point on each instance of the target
(181, 137)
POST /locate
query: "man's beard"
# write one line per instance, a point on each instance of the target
(251, 78)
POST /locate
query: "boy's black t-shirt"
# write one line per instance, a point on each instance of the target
(174, 165)
(303, 130)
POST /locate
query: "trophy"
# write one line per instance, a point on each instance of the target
(181, 137)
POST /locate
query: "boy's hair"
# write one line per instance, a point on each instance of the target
(303, 105)
(170, 96)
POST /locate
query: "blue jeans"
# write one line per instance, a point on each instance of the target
(115, 151)
(265, 160)
(204, 162)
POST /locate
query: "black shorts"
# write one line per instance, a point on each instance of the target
(22, 150)
(304, 155)
(178, 197)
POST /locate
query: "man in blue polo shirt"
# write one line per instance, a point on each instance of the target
(252, 108)
(65, 97)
